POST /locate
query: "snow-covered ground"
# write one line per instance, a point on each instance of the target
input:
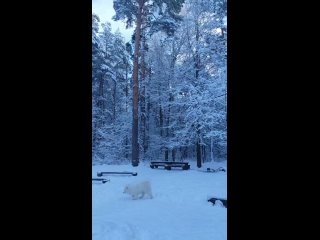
(178, 211)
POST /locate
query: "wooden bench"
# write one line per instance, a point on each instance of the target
(103, 180)
(168, 165)
(100, 174)
(214, 199)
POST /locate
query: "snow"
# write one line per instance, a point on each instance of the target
(179, 208)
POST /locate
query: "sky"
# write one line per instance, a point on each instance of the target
(104, 9)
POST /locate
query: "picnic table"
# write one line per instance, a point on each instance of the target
(168, 165)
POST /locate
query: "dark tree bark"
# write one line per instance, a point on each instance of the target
(142, 96)
(166, 154)
(114, 102)
(135, 105)
(197, 67)
(127, 103)
(198, 150)
(101, 92)
(203, 153)
(126, 145)
(161, 121)
(173, 154)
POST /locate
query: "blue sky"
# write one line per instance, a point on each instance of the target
(104, 9)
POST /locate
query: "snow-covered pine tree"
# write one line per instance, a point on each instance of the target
(160, 14)
(110, 92)
(188, 85)
(203, 69)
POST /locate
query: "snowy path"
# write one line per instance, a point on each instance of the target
(179, 209)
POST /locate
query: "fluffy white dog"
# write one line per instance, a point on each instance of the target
(139, 190)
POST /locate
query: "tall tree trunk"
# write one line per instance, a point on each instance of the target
(167, 135)
(204, 154)
(198, 151)
(173, 154)
(197, 56)
(184, 153)
(148, 106)
(143, 92)
(162, 133)
(197, 67)
(127, 94)
(198, 147)
(212, 159)
(127, 87)
(135, 98)
(161, 121)
(126, 148)
(166, 155)
(101, 92)
(101, 103)
(114, 102)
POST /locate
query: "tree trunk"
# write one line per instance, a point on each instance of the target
(166, 154)
(127, 103)
(142, 95)
(101, 92)
(203, 153)
(127, 88)
(197, 67)
(167, 134)
(173, 154)
(135, 99)
(161, 121)
(197, 57)
(162, 133)
(198, 151)
(148, 106)
(184, 153)
(126, 148)
(212, 150)
(114, 103)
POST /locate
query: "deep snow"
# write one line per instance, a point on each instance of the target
(178, 211)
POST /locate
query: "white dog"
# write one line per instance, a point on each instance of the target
(138, 190)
